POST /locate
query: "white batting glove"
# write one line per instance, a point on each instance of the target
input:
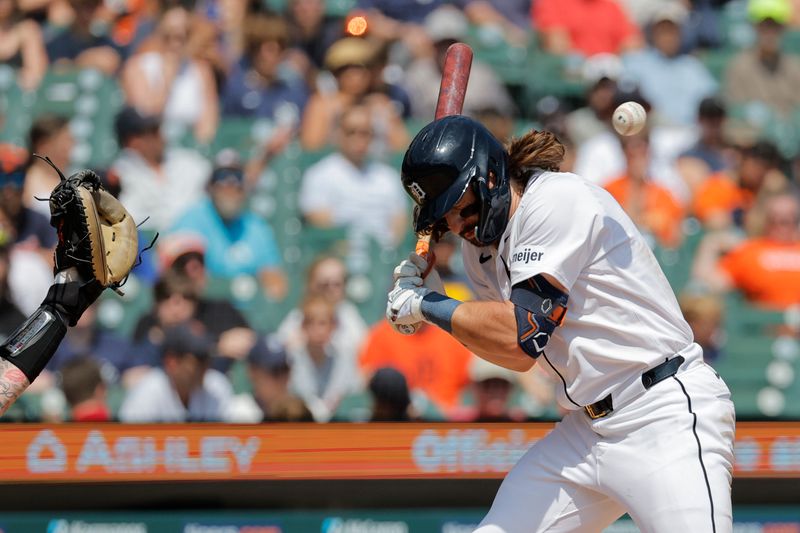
(405, 303)
(409, 272)
(412, 269)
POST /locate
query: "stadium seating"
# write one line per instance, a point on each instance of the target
(759, 360)
(677, 262)
(91, 101)
(333, 8)
(15, 108)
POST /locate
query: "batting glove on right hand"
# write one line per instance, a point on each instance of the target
(404, 306)
(409, 273)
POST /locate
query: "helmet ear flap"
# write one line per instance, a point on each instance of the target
(493, 190)
(422, 231)
(415, 215)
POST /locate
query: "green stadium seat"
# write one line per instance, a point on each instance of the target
(552, 75)
(716, 61)
(239, 378)
(508, 61)
(757, 120)
(354, 408)
(371, 275)
(91, 101)
(333, 8)
(677, 262)
(791, 41)
(244, 293)
(27, 408)
(16, 108)
(241, 134)
(749, 349)
(121, 313)
(59, 92)
(115, 396)
(737, 30)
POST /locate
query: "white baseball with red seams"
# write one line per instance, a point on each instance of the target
(629, 118)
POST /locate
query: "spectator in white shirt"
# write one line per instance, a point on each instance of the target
(154, 181)
(184, 388)
(347, 189)
(321, 373)
(327, 277)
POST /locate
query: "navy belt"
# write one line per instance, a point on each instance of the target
(658, 373)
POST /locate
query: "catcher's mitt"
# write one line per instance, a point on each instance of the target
(96, 234)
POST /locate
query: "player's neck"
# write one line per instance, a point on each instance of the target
(516, 197)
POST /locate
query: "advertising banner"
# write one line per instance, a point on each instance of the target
(115, 452)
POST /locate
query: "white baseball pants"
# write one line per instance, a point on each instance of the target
(665, 458)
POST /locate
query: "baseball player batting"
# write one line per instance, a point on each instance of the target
(564, 279)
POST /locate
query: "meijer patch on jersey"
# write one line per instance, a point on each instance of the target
(526, 255)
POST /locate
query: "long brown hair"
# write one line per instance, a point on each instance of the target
(535, 149)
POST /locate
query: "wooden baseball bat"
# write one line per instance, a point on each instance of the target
(453, 87)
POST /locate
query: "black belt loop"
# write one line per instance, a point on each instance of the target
(661, 372)
(658, 373)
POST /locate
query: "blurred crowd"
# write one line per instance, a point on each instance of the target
(712, 180)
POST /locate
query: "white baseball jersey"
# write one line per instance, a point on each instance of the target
(622, 316)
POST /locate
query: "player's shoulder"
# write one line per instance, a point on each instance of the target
(551, 188)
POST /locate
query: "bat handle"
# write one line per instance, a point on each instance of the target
(423, 249)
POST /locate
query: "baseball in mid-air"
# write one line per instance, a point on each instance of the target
(629, 118)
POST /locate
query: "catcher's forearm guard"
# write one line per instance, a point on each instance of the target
(33, 343)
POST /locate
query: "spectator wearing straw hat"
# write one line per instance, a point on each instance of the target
(350, 61)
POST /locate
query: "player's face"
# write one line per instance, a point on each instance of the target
(462, 219)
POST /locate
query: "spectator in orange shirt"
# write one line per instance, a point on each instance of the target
(432, 361)
(585, 27)
(722, 199)
(651, 206)
(765, 268)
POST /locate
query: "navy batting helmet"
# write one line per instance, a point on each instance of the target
(444, 159)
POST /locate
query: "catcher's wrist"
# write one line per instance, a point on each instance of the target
(69, 296)
(438, 309)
